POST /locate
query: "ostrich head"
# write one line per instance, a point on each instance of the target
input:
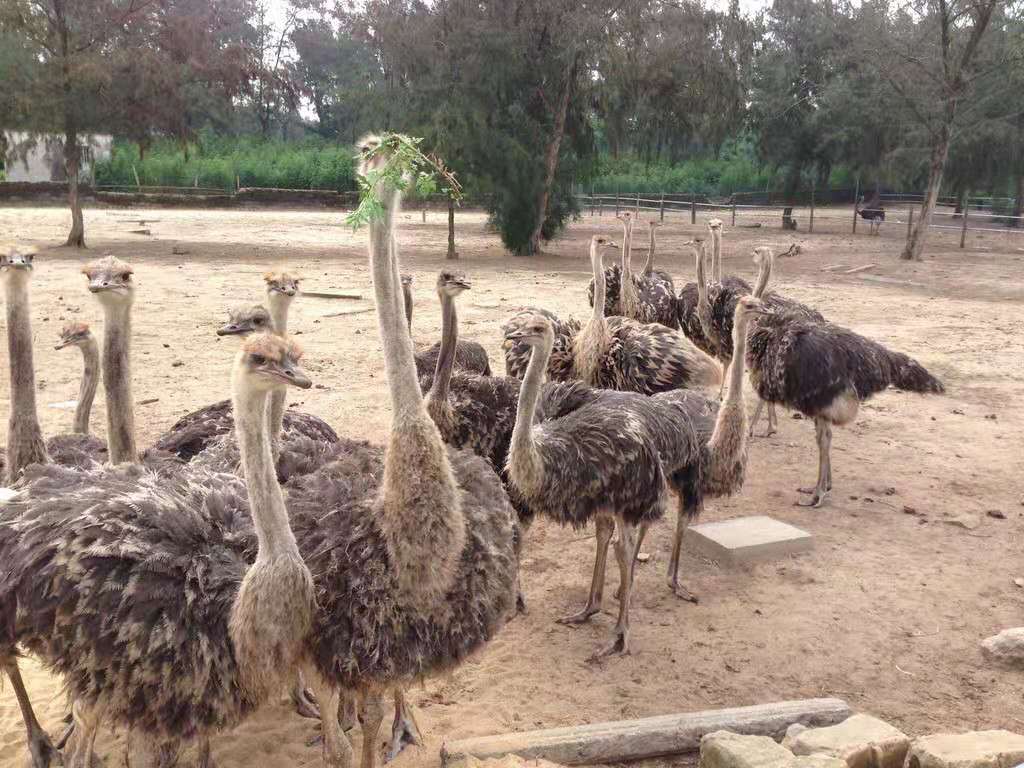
(763, 254)
(535, 331)
(748, 307)
(281, 282)
(365, 145)
(714, 224)
(74, 335)
(406, 278)
(111, 280)
(599, 242)
(269, 362)
(245, 320)
(451, 284)
(17, 261)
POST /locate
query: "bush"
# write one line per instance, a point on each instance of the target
(217, 161)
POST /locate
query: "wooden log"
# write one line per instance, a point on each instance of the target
(861, 268)
(329, 295)
(625, 740)
(348, 312)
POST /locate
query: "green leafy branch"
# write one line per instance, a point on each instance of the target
(405, 166)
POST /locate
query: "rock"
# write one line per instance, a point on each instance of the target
(177, 364)
(178, 250)
(964, 520)
(998, 514)
(860, 741)
(724, 749)
(1005, 648)
(1019, 582)
(508, 761)
(792, 732)
(978, 749)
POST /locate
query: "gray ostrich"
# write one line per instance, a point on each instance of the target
(825, 372)
(415, 567)
(470, 356)
(202, 429)
(80, 447)
(622, 354)
(650, 296)
(152, 596)
(517, 354)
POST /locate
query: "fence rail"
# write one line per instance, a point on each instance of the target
(975, 216)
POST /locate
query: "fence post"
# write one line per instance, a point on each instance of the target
(637, 203)
(910, 223)
(810, 224)
(963, 227)
(600, 208)
(693, 209)
(136, 175)
(661, 210)
(856, 196)
(616, 203)
(423, 210)
(734, 211)
(592, 202)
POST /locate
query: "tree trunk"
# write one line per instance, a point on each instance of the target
(76, 237)
(451, 230)
(940, 151)
(551, 157)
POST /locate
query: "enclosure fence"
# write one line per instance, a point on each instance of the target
(901, 210)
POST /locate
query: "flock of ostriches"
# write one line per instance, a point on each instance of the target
(174, 590)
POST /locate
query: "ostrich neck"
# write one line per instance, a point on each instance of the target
(407, 299)
(446, 356)
(421, 514)
(266, 501)
(627, 291)
(716, 255)
(764, 272)
(279, 306)
(90, 381)
(117, 377)
(649, 265)
(24, 437)
(524, 458)
(739, 346)
(702, 285)
(589, 342)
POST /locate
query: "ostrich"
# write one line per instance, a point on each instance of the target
(470, 356)
(611, 460)
(654, 291)
(872, 212)
(715, 231)
(118, 577)
(80, 448)
(413, 575)
(612, 277)
(619, 353)
(199, 430)
(825, 372)
(517, 353)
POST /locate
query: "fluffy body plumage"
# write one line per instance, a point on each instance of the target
(470, 356)
(517, 352)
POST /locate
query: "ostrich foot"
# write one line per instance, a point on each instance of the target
(44, 754)
(69, 728)
(618, 647)
(404, 732)
(818, 497)
(303, 699)
(582, 617)
(682, 592)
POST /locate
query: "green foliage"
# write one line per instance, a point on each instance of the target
(217, 161)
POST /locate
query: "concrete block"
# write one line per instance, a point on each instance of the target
(724, 749)
(744, 539)
(861, 741)
(977, 749)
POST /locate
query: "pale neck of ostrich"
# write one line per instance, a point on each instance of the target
(716, 254)
(627, 291)
(600, 287)
(702, 285)
(649, 265)
(728, 443)
(523, 453)
(764, 272)
(736, 368)
(407, 299)
(90, 380)
(421, 514)
(279, 306)
(117, 378)
(446, 356)
(269, 514)
(590, 341)
(24, 437)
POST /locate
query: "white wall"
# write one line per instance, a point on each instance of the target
(40, 157)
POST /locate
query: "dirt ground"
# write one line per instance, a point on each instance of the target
(887, 611)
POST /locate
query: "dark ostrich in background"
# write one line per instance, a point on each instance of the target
(872, 212)
(470, 356)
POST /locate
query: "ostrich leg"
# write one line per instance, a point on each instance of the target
(605, 526)
(404, 730)
(823, 432)
(302, 699)
(39, 744)
(372, 716)
(87, 726)
(641, 533)
(625, 554)
(772, 420)
(337, 750)
(682, 522)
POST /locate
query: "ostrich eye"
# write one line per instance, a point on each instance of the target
(258, 359)
(258, 321)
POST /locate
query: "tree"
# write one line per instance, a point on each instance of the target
(929, 56)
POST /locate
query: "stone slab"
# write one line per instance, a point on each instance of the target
(724, 749)
(1005, 648)
(744, 539)
(861, 741)
(978, 749)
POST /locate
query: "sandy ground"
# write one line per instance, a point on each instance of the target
(886, 612)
